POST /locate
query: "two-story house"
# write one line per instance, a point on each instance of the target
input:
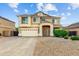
(38, 24)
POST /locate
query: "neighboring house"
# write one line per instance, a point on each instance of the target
(38, 24)
(7, 27)
(73, 29)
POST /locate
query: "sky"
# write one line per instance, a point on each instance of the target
(69, 12)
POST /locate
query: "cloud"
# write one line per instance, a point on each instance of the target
(68, 14)
(74, 5)
(16, 10)
(69, 8)
(26, 11)
(40, 6)
(53, 15)
(31, 5)
(14, 6)
(46, 7)
(63, 17)
(50, 7)
(62, 14)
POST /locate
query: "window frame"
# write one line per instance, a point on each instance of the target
(23, 21)
(42, 18)
(35, 21)
(53, 20)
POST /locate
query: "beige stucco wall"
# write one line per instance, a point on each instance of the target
(38, 25)
(1, 30)
(7, 30)
(32, 25)
(7, 26)
(6, 23)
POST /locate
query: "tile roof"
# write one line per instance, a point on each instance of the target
(6, 19)
(75, 25)
(36, 13)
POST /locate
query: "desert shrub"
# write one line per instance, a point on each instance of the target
(75, 37)
(66, 37)
(60, 33)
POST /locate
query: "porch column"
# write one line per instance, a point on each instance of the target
(51, 30)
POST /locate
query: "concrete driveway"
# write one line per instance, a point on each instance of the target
(37, 46)
(17, 46)
(53, 46)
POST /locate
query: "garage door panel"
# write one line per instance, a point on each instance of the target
(30, 32)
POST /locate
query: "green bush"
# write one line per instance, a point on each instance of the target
(75, 37)
(66, 37)
(60, 33)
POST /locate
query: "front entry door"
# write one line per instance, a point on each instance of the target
(46, 30)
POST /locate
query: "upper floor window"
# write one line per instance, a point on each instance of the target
(24, 20)
(34, 19)
(53, 20)
(42, 18)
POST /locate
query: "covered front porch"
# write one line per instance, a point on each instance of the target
(45, 29)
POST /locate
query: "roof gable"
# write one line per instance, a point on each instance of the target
(26, 15)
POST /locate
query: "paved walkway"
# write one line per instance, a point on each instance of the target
(14, 46)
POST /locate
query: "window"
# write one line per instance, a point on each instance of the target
(56, 21)
(52, 20)
(34, 19)
(24, 20)
(42, 18)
